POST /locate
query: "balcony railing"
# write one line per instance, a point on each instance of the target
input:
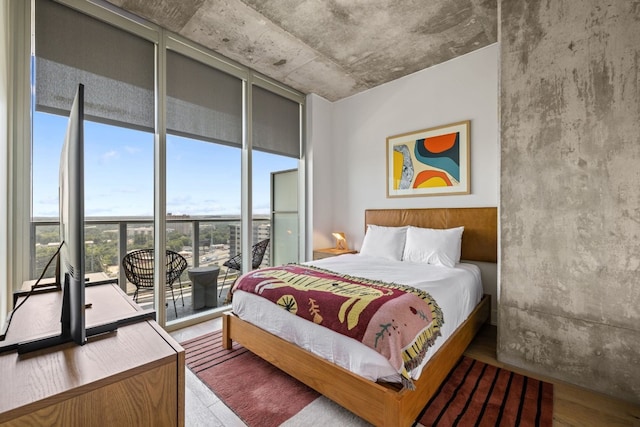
(202, 241)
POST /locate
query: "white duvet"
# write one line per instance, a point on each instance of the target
(456, 290)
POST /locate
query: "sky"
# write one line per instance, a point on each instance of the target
(202, 178)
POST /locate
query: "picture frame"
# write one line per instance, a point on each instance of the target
(429, 162)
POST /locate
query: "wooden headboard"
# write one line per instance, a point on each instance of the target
(480, 237)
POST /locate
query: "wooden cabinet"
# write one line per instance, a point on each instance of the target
(329, 252)
(131, 377)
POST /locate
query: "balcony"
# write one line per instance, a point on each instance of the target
(107, 240)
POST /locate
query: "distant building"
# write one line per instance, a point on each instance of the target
(145, 231)
(234, 239)
(182, 227)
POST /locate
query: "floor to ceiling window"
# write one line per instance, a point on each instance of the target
(276, 149)
(117, 70)
(118, 184)
(204, 142)
(203, 135)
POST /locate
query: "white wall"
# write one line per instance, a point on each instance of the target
(4, 153)
(348, 144)
(465, 88)
(319, 152)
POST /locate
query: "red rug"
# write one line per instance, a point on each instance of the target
(474, 393)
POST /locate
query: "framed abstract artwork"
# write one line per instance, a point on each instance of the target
(429, 162)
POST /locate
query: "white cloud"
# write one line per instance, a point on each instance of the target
(110, 155)
(132, 150)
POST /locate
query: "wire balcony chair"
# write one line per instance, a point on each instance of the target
(138, 267)
(235, 263)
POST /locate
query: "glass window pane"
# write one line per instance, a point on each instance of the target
(285, 238)
(118, 164)
(203, 170)
(117, 69)
(264, 165)
(118, 184)
(203, 189)
(203, 178)
(286, 199)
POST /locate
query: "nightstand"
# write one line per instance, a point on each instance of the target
(329, 252)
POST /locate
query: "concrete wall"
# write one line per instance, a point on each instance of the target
(570, 204)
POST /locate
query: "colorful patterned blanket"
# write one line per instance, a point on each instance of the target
(399, 322)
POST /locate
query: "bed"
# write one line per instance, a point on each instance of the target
(380, 402)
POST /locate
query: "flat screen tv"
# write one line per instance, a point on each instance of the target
(70, 265)
(71, 197)
(70, 271)
(70, 262)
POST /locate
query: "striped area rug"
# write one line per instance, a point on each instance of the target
(474, 393)
(478, 394)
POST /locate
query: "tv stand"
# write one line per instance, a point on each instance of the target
(64, 335)
(104, 328)
(133, 376)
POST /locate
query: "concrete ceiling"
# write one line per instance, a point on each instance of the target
(333, 48)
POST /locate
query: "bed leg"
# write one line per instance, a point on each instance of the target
(226, 336)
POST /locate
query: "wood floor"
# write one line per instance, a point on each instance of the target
(572, 406)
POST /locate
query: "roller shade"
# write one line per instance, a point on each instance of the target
(203, 102)
(116, 67)
(276, 123)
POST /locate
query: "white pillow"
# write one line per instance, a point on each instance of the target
(433, 246)
(384, 242)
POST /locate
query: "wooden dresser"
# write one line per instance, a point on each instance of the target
(132, 377)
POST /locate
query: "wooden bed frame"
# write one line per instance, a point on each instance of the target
(383, 404)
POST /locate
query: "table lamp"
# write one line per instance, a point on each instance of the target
(341, 241)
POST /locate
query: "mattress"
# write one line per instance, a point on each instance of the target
(456, 290)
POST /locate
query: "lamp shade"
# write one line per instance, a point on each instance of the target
(341, 241)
